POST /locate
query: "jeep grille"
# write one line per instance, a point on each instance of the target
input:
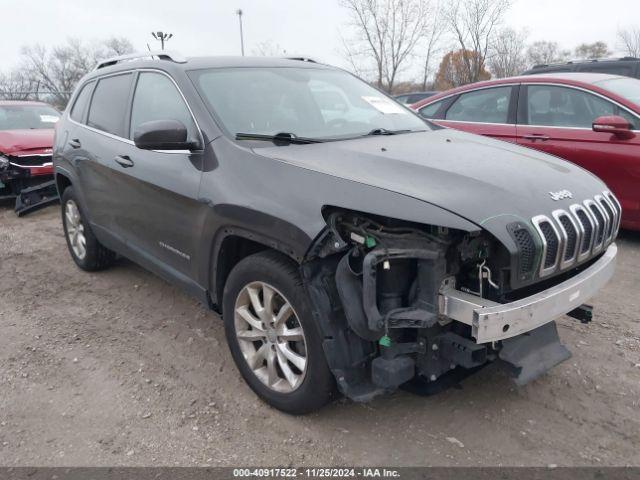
(574, 235)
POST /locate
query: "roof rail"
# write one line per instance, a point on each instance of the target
(589, 60)
(160, 55)
(301, 59)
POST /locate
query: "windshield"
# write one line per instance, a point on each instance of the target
(305, 102)
(25, 117)
(628, 88)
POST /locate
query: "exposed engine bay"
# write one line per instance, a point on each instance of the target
(381, 288)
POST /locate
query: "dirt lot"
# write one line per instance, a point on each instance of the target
(121, 368)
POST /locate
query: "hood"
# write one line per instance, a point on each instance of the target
(14, 142)
(477, 178)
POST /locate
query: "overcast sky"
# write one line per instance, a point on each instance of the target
(310, 27)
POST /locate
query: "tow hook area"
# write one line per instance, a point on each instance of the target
(531, 354)
(584, 313)
(394, 367)
(436, 356)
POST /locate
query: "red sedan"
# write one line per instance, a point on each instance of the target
(590, 119)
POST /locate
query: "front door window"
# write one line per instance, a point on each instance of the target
(554, 106)
(489, 105)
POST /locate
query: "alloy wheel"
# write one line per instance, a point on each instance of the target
(75, 229)
(270, 337)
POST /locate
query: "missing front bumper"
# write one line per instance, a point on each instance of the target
(491, 321)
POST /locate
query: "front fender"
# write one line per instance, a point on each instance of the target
(224, 221)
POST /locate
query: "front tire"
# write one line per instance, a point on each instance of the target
(272, 336)
(85, 249)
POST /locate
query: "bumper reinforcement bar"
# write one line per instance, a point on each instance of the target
(491, 321)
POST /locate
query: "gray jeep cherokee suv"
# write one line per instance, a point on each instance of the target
(350, 246)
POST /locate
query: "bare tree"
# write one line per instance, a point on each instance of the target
(268, 49)
(354, 53)
(629, 41)
(474, 24)
(16, 85)
(507, 53)
(387, 33)
(117, 46)
(435, 28)
(544, 53)
(57, 70)
(588, 51)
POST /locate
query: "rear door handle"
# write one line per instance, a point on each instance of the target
(537, 136)
(124, 161)
(75, 143)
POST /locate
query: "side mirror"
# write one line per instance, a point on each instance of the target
(162, 135)
(613, 124)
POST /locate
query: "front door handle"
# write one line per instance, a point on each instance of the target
(124, 161)
(75, 143)
(537, 136)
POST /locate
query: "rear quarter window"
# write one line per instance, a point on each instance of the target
(430, 111)
(80, 105)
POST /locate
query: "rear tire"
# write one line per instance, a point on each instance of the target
(85, 249)
(272, 335)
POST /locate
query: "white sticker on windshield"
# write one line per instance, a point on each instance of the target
(384, 105)
(49, 118)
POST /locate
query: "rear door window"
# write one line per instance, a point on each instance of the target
(109, 104)
(490, 105)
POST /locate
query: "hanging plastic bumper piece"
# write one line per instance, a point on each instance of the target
(36, 197)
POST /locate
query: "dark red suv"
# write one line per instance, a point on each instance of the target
(590, 119)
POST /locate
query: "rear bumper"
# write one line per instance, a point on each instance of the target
(491, 321)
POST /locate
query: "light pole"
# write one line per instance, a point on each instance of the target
(239, 13)
(162, 36)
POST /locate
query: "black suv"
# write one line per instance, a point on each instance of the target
(350, 245)
(626, 66)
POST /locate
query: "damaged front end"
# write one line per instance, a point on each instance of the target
(29, 180)
(418, 306)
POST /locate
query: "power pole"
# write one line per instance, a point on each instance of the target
(162, 37)
(239, 13)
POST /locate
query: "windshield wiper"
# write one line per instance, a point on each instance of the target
(384, 131)
(282, 138)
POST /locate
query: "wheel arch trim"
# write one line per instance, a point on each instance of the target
(214, 280)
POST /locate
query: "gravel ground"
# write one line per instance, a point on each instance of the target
(121, 368)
